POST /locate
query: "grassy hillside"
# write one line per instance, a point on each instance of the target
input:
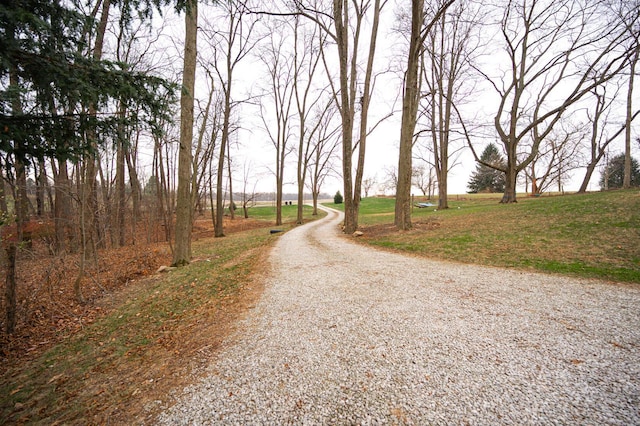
(152, 335)
(589, 235)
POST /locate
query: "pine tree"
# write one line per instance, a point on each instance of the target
(485, 178)
(614, 173)
(43, 51)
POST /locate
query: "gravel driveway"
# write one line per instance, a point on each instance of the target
(346, 334)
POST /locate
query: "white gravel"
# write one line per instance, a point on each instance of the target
(346, 334)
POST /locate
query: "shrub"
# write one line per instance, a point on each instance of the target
(337, 199)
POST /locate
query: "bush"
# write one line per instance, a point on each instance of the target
(337, 199)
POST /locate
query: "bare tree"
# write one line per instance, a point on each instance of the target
(325, 146)
(306, 59)
(367, 184)
(424, 180)
(281, 67)
(248, 196)
(557, 52)
(629, 14)
(600, 127)
(184, 210)
(229, 47)
(558, 155)
(410, 103)
(449, 51)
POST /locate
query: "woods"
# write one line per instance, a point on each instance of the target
(121, 124)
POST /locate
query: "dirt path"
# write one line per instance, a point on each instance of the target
(346, 334)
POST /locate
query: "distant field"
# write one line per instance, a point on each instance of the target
(589, 235)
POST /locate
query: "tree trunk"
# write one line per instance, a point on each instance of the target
(21, 207)
(136, 190)
(10, 289)
(626, 183)
(232, 212)
(346, 114)
(62, 208)
(315, 203)
(40, 188)
(184, 222)
(510, 182)
(224, 140)
(121, 197)
(409, 112)
(587, 177)
(3, 195)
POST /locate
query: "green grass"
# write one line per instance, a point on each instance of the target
(162, 321)
(595, 235)
(268, 213)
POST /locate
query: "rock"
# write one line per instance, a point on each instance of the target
(358, 234)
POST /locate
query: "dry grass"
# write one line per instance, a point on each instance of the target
(151, 337)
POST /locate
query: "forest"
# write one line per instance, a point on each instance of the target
(123, 122)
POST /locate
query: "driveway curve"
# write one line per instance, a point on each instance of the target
(346, 334)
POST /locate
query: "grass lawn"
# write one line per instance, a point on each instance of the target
(153, 335)
(594, 235)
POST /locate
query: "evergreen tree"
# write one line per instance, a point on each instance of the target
(614, 173)
(486, 178)
(47, 81)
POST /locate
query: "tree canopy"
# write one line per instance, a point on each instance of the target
(48, 80)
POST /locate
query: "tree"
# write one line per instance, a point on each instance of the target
(612, 176)
(368, 184)
(410, 101)
(282, 68)
(325, 146)
(629, 15)
(344, 25)
(337, 199)
(599, 139)
(557, 156)
(305, 62)
(229, 47)
(424, 180)
(448, 54)
(488, 177)
(184, 209)
(556, 53)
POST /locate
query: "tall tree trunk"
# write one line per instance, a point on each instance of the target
(121, 196)
(510, 182)
(232, 209)
(41, 188)
(340, 17)
(136, 192)
(21, 201)
(409, 113)
(184, 221)
(224, 140)
(3, 195)
(10, 289)
(626, 183)
(62, 208)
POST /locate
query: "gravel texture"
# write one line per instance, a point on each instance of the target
(346, 334)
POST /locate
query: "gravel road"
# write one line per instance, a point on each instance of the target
(346, 334)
